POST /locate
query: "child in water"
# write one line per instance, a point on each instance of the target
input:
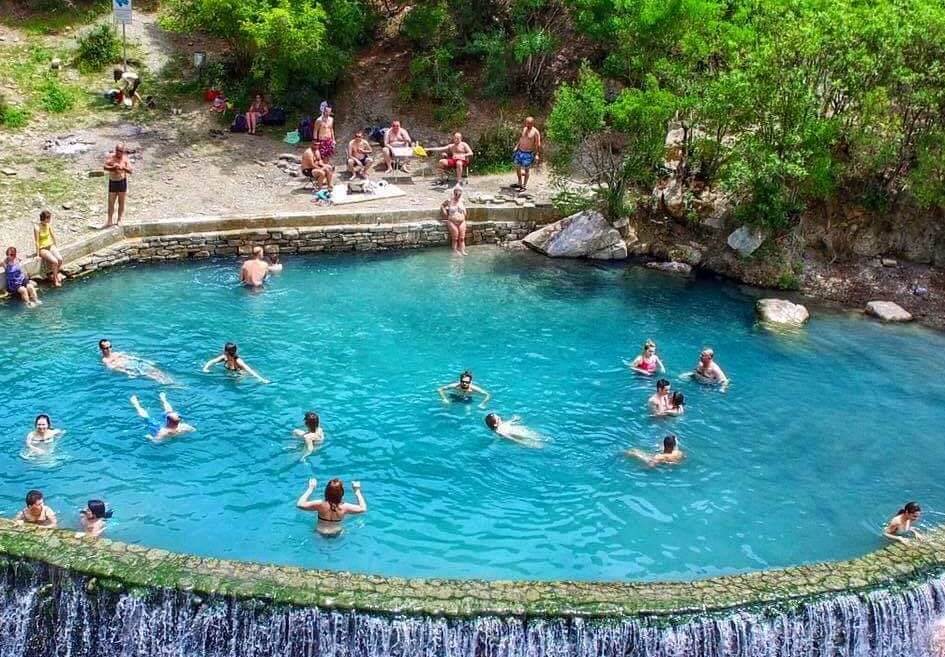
(513, 430)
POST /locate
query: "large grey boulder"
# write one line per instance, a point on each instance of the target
(583, 235)
(888, 311)
(746, 240)
(781, 312)
(671, 267)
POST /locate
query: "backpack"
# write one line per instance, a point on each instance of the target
(306, 132)
(239, 123)
(376, 134)
(275, 116)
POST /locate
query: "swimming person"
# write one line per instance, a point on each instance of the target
(36, 512)
(312, 434)
(173, 424)
(232, 362)
(708, 371)
(901, 523)
(333, 509)
(92, 518)
(130, 364)
(647, 362)
(254, 271)
(463, 390)
(670, 455)
(514, 430)
(40, 439)
(661, 402)
(678, 403)
(275, 267)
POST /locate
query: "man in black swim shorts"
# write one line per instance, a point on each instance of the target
(118, 168)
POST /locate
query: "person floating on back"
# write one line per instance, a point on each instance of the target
(173, 424)
(254, 271)
(333, 509)
(463, 390)
(36, 512)
(514, 430)
(670, 455)
(130, 364)
(901, 523)
(233, 363)
(312, 434)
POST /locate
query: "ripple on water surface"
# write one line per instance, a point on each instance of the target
(801, 459)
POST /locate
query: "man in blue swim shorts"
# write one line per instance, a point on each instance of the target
(527, 152)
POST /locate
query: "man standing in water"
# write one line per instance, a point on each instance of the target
(463, 391)
(118, 168)
(527, 152)
(661, 402)
(254, 271)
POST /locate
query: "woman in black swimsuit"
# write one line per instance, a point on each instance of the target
(333, 509)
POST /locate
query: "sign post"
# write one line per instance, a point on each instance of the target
(121, 11)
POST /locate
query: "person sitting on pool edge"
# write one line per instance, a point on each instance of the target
(708, 371)
(312, 434)
(333, 509)
(513, 430)
(40, 439)
(173, 424)
(660, 403)
(901, 523)
(130, 364)
(18, 281)
(36, 512)
(232, 362)
(670, 455)
(463, 390)
(648, 362)
(92, 518)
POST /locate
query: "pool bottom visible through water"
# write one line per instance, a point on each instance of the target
(821, 437)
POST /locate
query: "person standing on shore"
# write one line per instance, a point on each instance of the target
(325, 132)
(118, 168)
(527, 152)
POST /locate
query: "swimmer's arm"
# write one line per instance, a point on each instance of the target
(212, 362)
(442, 391)
(482, 391)
(361, 506)
(249, 370)
(142, 413)
(915, 532)
(893, 537)
(166, 405)
(303, 502)
(660, 363)
(51, 516)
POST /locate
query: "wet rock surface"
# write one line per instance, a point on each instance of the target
(781, 312)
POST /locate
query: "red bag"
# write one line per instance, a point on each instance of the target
(210, 95)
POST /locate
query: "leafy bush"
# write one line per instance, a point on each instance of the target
(98, 48)
(56, 97)
(434, 76)
(427, 23)
(12, 117)
(494, 148)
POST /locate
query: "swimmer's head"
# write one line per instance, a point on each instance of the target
(274, 258)
(662, 385)
(45, 216)
(679, 399)
(707, 355)
(911, 509)
(105, 346)
(97, 510)
(172, 420)
(334, 492)
(34, 499)
(492, 421)
(312, 421)
(257, 252)
(230, 349)
(649, 347)
(42, 422)
(669, 444)
(465, 380)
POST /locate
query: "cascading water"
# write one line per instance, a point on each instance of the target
(48, 612)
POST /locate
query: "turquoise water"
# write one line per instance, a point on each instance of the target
(820, 438)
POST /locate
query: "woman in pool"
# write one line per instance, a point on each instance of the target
(670, 455)
(454, 213)
(901, 523)
(708, 371)
(36, 512)
(463, 390)
(92, 518)
(333, 509)
(312, 434)
(46, 247)
(18, 281)
(678, 403)
(275, 266)
(40, 439)
(513, 430)
(232, 362)
(647, 362)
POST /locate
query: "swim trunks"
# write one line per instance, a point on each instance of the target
(326, 147)
(117, 186)
(307, 173)
(451, 162)
(524, 159)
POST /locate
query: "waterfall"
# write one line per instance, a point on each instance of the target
(48, 612)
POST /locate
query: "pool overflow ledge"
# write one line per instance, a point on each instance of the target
(116, 566)
(288, 233)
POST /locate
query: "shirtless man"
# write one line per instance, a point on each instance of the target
(671, 453)
(457, 157)
(527, 152)
(130, 365)
(463, 390)
(173, 425)
(118, 168)
(325, 132)
(708, 371)
(396, 137)
(661, 402)
(513, 429)
(254, 271)
(359, 156)
(316, 168)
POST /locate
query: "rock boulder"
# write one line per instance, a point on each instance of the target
(583, 235)
(888, 311)
(746, 240)
(672, 267)
(781, 312)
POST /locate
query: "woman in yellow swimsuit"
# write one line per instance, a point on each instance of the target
(46, 246)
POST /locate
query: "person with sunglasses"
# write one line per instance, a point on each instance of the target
(130, 364)
(463, 391)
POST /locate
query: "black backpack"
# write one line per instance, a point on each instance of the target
(239, 124)
(306, 133)
(275, 116)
